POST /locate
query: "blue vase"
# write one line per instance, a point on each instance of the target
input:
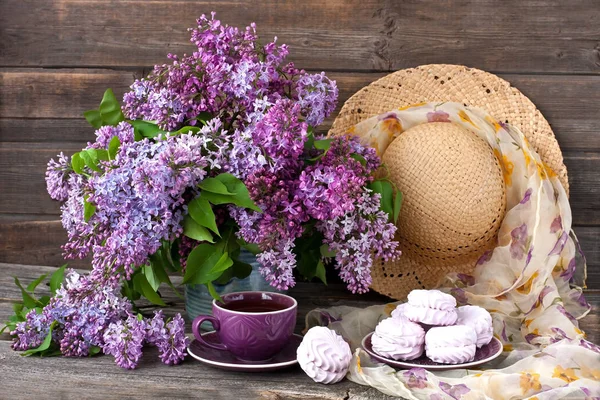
(199, 301)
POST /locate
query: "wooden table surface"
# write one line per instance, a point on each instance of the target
(98, 377)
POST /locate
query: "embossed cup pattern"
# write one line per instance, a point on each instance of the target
(255, 336)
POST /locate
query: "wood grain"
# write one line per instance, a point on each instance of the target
(37, 241)
(23, 165)
(384, 35)
(52, 95)
(98, 377)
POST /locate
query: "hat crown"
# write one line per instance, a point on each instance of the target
(453, 187)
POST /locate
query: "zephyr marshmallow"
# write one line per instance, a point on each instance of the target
(479, 319)
(431, 307)
(324, 355)
(451, 344)
(398, 338)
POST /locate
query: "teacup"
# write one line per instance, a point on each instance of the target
(253, 326)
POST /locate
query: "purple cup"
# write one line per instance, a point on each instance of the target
(256, 327)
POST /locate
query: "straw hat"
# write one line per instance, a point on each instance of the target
(452, 208)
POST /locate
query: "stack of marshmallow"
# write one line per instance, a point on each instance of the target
(453, 334)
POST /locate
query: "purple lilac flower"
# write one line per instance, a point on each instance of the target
(317, 95)
(31, 333)
(139, 200)
(277, 266)
(57, 178)
(124, 131)
(358, 237)
(281, 135)
(155, 328)
(173, 344)
(519, 242)
(229, 71)
(82, 310)
(124, 341)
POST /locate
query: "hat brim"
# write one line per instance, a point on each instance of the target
(444, 83)
(457, 83)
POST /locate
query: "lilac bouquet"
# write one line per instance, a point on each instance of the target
(209, 154)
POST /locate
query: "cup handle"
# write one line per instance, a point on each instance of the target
(196, 331)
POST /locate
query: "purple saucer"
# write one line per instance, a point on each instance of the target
(225, 360)
(483, 354)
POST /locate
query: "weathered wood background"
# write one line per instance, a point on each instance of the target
(58, 56)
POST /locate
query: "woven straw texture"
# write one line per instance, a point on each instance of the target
(454, 202)
(470, 86)
(454, 196)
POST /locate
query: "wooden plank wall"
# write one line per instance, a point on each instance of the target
(58, 56)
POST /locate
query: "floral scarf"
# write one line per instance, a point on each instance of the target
(528, 282)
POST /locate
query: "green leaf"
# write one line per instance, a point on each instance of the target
(77, 163)
(387, 198)
(225, 277)
(397, 205)
(146, 129)
(214, 185)
(141, 284)
(17, 308)
(241, 197)
(113, 147)
(88, 210)
(204, 117)
(90, 158)
(151, 277)
(128, 291)
(213, 292)
(187, 129)
(321, 273)
(310, 140)
(201, 211)
(44, 300)
(251, 247)
(224, 263)
(94, 350)
(57, 278)
(45, 344)
(360, 159)
(194, 230)
(28, 300)
(326, 252)
(323, 144)
(110, 109)
(385, 189)
(201, 261)
(241, 269)
(100, 154)
(94, 118)
(31, 287)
